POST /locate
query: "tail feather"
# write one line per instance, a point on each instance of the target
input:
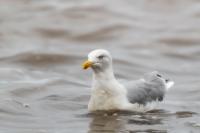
(169, 84)
(156, 75)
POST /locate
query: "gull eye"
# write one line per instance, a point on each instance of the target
(158, 75)
(101, 56)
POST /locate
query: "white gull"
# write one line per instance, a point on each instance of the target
(109, 94)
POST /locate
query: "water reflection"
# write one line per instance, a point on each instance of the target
(131, 122)
(107, 124)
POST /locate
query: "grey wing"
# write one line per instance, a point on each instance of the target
(151, 88)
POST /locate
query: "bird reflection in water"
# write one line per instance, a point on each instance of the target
(106, 123)
(125, 122)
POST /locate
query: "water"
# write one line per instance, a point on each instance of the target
(43, 43)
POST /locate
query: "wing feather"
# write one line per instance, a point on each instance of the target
(151, 88)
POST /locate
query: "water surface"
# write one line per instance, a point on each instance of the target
(42, 44)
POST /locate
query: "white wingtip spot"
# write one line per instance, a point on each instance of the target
(169, 84)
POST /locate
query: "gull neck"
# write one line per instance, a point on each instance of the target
(106, 74)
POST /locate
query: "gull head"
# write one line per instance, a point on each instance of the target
(99, 60)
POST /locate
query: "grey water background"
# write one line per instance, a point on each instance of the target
(43, 43)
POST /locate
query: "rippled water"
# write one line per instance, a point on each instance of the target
(42, 44)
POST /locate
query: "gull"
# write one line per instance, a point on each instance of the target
(109, 94)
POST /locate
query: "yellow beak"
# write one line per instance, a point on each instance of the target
(87, 64)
